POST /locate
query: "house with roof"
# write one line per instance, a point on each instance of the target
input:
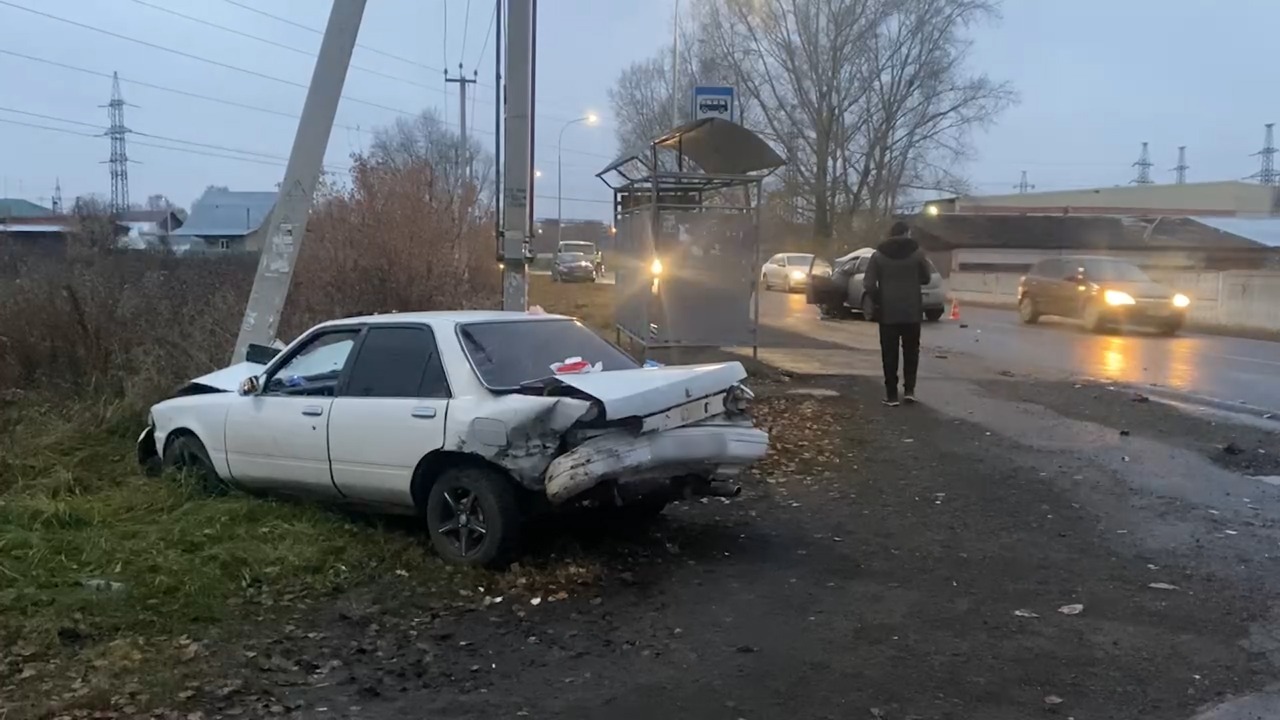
(224, 221)
(19, 209)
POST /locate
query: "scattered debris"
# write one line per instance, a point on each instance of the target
(814, 392)
(1125, 433)
(1077, 386)
(1231, 532)
(1025, 614)
(535, 601)
(747, 649)
(1232, 449)
(1052, 700)
(1075, 609)
(100, 585)
(940, 356)
(1007, 373)
(1124, 458)
(964, 325)
(1162, 586)
(1139, 398)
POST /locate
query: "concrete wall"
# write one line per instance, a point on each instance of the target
(1240, 300)
(1230, 198)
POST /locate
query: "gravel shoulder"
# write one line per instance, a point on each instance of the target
(875, 567)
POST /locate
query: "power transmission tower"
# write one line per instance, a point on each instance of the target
(56, 205)
(1266, 175)
(119, 162)
(1144, 168)
(1182, 166)
(1023, 186)
(463, 81)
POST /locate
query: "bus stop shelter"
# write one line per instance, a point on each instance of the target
(687, 248)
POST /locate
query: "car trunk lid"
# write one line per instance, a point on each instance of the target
(647, 391)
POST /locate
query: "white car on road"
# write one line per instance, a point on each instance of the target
(467, 419)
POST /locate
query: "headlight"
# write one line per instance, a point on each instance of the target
(1116, 297)
(797, 275)
(655, 267)
(1181, 300)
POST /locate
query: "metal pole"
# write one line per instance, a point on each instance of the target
(675, 67)
(560, 191)
(518, 168)
(286, 225)
(497, 127)
(755, 271)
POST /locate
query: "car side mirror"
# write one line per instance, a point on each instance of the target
(250, 386)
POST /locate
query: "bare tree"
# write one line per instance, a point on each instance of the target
(457, 168)
(869, 100)
(94, 229)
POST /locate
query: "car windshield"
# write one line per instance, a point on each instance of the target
(508, 354)
(577, 248)
(799, 260)
(1114, 271)
(571, 257)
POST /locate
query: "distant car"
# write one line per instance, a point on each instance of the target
(842, 291)
(573, 267)
(469, 420)
(789, 271)
(586, 248)
(1101, 292)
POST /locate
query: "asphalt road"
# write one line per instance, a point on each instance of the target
(1190, 367)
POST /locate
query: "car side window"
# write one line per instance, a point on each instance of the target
(861, 264)
(314, 368)
(775, 260)
(1051, 269)
(397, 362)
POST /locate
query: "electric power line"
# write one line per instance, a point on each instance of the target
(281, 45)
(237, 104)
(192, 56)
(493, 15)
(466, 26)
(300, 26)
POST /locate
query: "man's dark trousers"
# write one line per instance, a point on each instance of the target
(908, 335)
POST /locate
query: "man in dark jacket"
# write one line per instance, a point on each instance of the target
(894, 276)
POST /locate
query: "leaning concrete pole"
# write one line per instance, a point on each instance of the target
(517, 175)
(282, 233)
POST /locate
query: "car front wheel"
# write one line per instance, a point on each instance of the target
(933, 315)
(473, 516)
(1027, 311)
(185, 454)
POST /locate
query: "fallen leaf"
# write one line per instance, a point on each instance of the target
(1025, 614)
(1071, 609)
(1052, 700)
(1162, 586)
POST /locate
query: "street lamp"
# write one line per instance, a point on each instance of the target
(537, 173)
(590, 119)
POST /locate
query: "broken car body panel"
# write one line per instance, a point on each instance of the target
(636, 393)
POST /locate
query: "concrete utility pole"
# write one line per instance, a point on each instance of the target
(518, 166)
(282, 232)
(675, 66)
(462, 112)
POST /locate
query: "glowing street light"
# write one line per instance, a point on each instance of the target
(590, 119)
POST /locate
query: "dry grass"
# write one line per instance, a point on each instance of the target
(590, 302)
(103, 572)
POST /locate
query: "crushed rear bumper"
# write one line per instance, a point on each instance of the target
(711, 450)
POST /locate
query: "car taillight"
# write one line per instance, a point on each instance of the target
(739, 398)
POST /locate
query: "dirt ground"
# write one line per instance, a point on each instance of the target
(884, 563)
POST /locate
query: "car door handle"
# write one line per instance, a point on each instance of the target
(423, 412)
(313, 410)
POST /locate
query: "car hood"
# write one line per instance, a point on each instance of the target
(645, 391)
(1140, 290)
(228, 378)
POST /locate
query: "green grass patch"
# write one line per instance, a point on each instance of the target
(104, 571)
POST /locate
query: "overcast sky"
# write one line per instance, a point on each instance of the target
(1096, 78)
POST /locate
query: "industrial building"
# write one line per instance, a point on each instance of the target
(1230, 198)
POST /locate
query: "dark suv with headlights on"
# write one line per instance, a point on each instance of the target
(573, 267)
(1102, 292)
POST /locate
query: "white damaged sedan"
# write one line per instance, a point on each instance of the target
(467, 419)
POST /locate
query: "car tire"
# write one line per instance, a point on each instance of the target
(1093, 318)
(473, 516)
(1027, 311)
(1169, 329)
(933, 315)
(868, 307)
(764, 282)
(786, 285)
(185, 454)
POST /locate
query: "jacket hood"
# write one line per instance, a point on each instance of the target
(898, 248)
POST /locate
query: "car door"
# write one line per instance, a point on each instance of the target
(856, 280)
(389, 413)
(278, 438)
(770, 270)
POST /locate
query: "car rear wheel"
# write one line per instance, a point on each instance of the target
(185, 454)
(764, 282)
(933, 315)
(473, 516)
(1028, 313)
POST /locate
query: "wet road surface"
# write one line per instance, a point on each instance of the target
(1230, 371)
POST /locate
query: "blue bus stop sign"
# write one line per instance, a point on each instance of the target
(716, 101)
